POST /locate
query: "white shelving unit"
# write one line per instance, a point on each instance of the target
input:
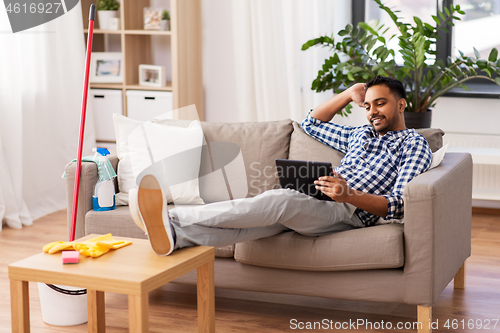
(183, 58)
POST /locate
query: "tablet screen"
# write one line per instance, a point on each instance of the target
(300, 176)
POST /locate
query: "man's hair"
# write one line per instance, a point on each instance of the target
(395, 86)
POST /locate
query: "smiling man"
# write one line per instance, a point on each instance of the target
(380, 159)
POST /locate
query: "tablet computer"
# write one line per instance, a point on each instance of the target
(300, 176)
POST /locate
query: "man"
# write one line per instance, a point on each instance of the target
(367, 188)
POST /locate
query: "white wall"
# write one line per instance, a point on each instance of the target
(218, 64)
(468, 115)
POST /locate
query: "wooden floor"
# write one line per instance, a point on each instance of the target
(173, 307)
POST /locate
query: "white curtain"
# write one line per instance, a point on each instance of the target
(41, 81)
(273, 75)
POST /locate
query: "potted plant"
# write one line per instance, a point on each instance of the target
(363, 53)
(106, 9)
(165, 21)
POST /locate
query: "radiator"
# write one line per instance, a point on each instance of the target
(485, 150)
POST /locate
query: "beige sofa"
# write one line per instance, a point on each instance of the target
(410, 263)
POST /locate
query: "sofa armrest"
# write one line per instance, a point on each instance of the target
(88, 178)
(437, 228)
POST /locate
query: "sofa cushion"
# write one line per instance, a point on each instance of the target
(119, 223)
(434, 137)
(303, 147)
(260, 143)
(375, 247)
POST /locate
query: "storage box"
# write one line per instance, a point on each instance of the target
(105, 102)
(144, 105)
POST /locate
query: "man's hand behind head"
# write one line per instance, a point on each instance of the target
(326, 110)
(358, 94)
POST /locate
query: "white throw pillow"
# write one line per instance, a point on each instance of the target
(146, 145)
(438, 156)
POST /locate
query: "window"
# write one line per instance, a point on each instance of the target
(477, 28)
(423, 9)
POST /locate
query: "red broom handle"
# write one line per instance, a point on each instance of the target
(82, 124)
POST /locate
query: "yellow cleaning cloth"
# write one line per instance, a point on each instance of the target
(94, 247)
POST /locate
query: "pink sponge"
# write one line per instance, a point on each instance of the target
(70, 257)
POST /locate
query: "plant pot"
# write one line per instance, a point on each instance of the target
(418, 119)
(104, 16)
(165, 25)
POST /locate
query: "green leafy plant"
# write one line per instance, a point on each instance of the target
(165, 15)
(363, 53)
(108, 5)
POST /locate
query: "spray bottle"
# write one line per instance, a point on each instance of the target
(104, 190)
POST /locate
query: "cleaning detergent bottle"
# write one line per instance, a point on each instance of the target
(104, 190)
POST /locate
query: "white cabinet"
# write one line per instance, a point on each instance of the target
(144, 104)
(105, 102)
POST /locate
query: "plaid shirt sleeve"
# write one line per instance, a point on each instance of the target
(416, 159)
(333, 135)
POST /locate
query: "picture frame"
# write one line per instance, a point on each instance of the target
(106, 67)
(152, 76)
(152, 18)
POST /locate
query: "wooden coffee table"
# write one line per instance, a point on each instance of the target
(134, 270)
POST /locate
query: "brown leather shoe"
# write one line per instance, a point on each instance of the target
(149, 211)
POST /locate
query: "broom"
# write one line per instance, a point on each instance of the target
(82, 124)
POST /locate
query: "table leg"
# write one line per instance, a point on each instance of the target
(138, 313)
(96, 311)
(206, 298)
(20, 306)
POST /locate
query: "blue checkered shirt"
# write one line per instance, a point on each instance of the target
(380, 165)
